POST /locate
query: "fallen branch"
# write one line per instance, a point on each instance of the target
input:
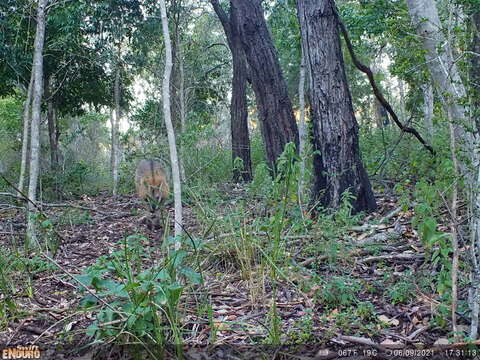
(392, 257)
(417, 332)
(25, 197)
(361, 341)
(73, 206)
(378, 94)
(381, 224)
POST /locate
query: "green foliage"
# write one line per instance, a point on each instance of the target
(17, 271)
(439, 245)
(257, 149)
(401, 290)
(262, 181)
(137, 302)
(338, 292)
(303, 331)
(11, 126)
(366, 310)
(11, 123)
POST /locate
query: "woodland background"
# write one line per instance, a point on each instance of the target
(323, 160)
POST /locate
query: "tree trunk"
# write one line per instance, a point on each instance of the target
(177, 191)
(26, 127)
(428, 111)
(301, 127)
(475, 206)
(183, 112)
(338, 167)
(52, 127)
(449, 86)
(37, 69)
(277, 122)
(238, 107)
(115, 124)
(444, 72)
(401, 93)
(475, 67)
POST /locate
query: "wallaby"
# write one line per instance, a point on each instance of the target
(152, 186)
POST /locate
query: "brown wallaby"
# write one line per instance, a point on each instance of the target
(152, 186)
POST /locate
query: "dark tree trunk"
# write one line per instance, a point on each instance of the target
(238, 107)
(52, 126)
(277, 122)
(338, 167)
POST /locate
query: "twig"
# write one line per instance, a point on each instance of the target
(46, 332)
(417, 332)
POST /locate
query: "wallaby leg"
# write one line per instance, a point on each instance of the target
(161, 213)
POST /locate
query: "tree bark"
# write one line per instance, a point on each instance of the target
(475, 218)
(183, 106)
(37, 69)
(177, 191)
(26, 128)
(428, 111)
(444, 71)
(301, 128)
(475, 67)
(52, 126)
(115, 124)
(238, 107)
(448, 83)
(277, 122)
(338, 166)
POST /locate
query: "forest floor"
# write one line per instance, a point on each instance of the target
(368, 293)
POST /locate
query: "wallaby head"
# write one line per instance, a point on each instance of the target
(151, 183)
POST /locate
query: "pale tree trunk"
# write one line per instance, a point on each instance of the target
(182, 85)
(428, 111)
(475, 223)
(454, 271)
(26, 127)
(301, 128)
(177, 191)
(112, 126)
(115, 124)
(182, 102)
(37, 69)
(448, 83)
(444, 71)
(401, 92)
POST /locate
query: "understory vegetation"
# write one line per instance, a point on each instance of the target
(239, 179)
(307, 276)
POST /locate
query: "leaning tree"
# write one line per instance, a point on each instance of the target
(277, 122)
(238, 105)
